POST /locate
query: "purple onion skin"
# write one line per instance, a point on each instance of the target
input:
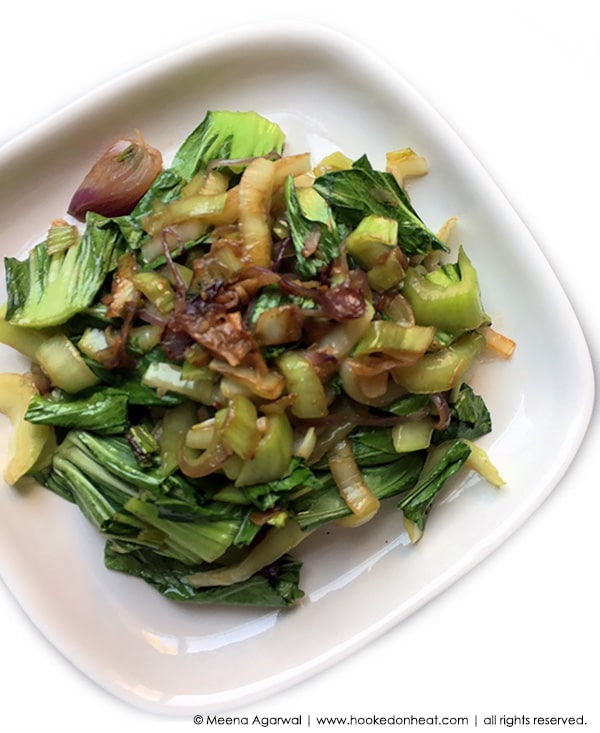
(118, 179)
(87, 199)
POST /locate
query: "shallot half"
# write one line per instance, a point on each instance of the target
(118, 179)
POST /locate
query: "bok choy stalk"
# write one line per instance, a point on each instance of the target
(64, 364)
(447, 297)
(440, 371)
(374, 245)
(52, 350)
(23, 339)
(276, 543)
(192, 542)
(27, 441)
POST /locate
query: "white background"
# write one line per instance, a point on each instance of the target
(520, 82)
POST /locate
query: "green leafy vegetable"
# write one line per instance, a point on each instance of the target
(373, 446)
(470, 417)
(224, 135)
(440, 466)
(104, 410)
(268, 495)
(46, 290)
(275, 586)
(256, 349)
(309, 218)
(326, 505)
(361, 191)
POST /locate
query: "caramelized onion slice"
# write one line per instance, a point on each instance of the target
(118, 179)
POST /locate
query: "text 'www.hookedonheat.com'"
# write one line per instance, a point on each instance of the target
(265, 721)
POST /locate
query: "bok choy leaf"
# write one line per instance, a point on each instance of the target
(224, 135)
(326, 504)
(103, 410)
(441, 464)
(310, 217)
(47, 289)
(469, 417)
(359, 191)
(274, 586)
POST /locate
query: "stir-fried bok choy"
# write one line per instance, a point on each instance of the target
(234, 350)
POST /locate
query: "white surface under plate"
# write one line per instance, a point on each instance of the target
(327, 93)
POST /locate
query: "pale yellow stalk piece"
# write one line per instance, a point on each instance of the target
(306, 444)
(498, 343)
(413, 530)
(353, 489)
(446, 229)
(405, 163)
(480, 461)
(335, 161)
(230, 211)
(290, 165)
(256, 188)
(26, 440)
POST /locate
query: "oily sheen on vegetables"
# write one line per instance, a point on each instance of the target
(234, 350)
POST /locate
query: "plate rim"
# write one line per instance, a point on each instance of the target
(304, 31)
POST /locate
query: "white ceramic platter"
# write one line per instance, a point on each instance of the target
(327, 93)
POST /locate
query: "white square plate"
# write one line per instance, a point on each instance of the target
(327, 93)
